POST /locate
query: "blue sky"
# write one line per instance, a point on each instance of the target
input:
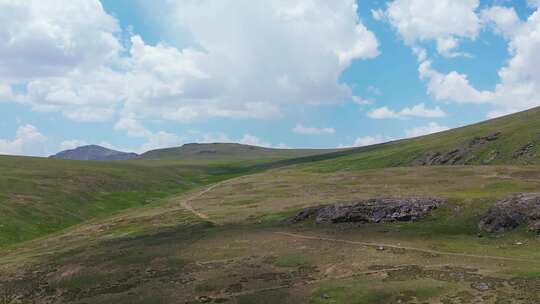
(138, 75)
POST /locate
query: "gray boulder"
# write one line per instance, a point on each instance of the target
(371, 211)
(509, 213)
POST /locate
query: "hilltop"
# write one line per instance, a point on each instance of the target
(93, 152)
(228, 152)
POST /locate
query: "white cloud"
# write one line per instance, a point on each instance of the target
(360, 101)
(241, 75)
(371, 140)
(443, 21)
(378, 14)
(367, 141)
(430, 128)
(301, 129)
(382, 113)
(418, 110)
(503, 19)
(252, 140)
(28, 141)
(452, 86)
(154, 140)
(71, 60)
(519, 87)
(72, 144)
(246, 139)
(6, 94)
(49, 38)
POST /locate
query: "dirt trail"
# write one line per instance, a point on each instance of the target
(479, 256)
(186, 202)
(186, 205)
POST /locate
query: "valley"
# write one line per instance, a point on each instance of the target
(218, 230)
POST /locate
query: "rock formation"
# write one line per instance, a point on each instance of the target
(512, 212)
(372, 211)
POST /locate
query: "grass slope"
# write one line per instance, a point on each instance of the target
(228, 152)
(516, 131)
(163, 252)
(39, 196)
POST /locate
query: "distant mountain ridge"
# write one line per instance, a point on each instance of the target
(94, 152)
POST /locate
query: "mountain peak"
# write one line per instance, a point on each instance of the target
(93, 152)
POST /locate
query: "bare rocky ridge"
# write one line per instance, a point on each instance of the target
(512, 212)
(371, 211)
(460, 154)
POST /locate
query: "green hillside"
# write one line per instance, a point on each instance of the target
(40, 196)
(209, 227)
(228, 152)
(509, 140)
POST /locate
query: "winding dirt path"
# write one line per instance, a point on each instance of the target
(466, 255)
(186, 202)
(186, 205)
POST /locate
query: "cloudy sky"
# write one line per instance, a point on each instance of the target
(138, 75)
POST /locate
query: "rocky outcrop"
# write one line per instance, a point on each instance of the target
(371, 211)
(526, 151)
(460, 154)
(512, 212)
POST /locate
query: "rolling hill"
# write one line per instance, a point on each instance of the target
(93, 152)
(228, 152)
(164, 228)
(508, 140)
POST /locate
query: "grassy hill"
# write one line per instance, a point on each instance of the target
(509, 140)
(228, 152)
(39, 196)
(208, 226)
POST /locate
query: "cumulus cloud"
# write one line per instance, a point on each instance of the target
(49, 38)
(301, 129)
(418, 110)
(444, 21)
(154, 140)
(452, 86)
(28, 141)
(70, 59)
(238, 72)
(430, 128)
(519, 86)
(503, 20)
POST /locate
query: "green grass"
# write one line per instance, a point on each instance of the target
(289, 261)
(228, 152)
(516, 130)
(41, 196)
(363, 291)
(116, 231)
